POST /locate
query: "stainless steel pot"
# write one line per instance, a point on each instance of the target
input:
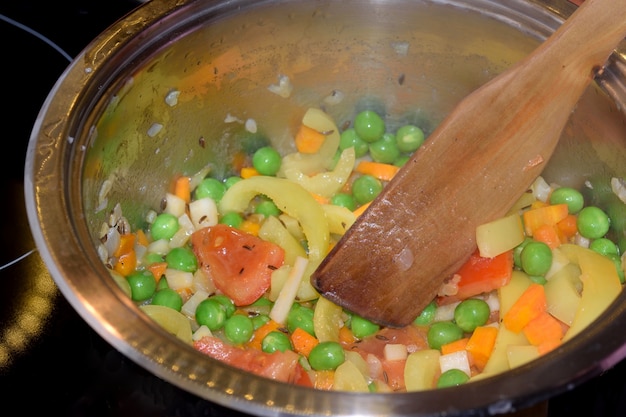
(96, 142)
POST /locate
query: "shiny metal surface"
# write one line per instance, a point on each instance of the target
(414, 59)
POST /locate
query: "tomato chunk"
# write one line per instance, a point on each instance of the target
(280, 366)
(239, 263)
(480, 275)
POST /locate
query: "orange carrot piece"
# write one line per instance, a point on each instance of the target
(481, 343)
(157, 269)
(568, 226)
(548, 234)
(142, 239)
(346, 336)
(182, 188)
(543, 328)
(247, 172)
(455, 346)
(260, 333)
(251, 227)
(239, 161)
(548, 345)
(308, 140)
(361, 209)
(384, 172)
(528, 306)
(323, 380)
(303, 341)
(127, 244)
(126, 263)
(549, 214)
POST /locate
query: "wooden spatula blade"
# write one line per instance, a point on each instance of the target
(472, 169)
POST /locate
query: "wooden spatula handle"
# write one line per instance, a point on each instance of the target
(471, 170)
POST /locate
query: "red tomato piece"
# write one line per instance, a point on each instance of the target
(239, 263)
(480, 275)
(280, 366)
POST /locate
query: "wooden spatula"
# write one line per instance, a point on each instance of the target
(471, 170)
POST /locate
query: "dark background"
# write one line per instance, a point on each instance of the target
(50, 361)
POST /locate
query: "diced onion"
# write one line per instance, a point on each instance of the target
(287, 295)
(395, 352)
(455, 360)
(203, 212)
(178, 280)
(174, 204)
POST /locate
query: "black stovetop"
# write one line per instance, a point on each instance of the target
(50, 359)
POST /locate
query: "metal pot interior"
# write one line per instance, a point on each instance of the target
(95, 145)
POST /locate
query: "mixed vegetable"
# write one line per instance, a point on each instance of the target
(225, 267)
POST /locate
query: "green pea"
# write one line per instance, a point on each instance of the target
(452, 378)
(538, 279)
(604, 246)
(211, 314)
(169, 298)
(617, 260)
(570, 196)
(471, 313)
(362, 327)
(536, 258)
(517, 252)
(302, 317)
(267, 208)
(266, 161)
(226, 302)
(443, 332)
(427, 315)
(212, 188)
(366, 188)
(165, 226)
(409, 138)
(384, 150)
(350, 139)
(275, 341)
(344, 200)
(326, 356)
(162, 284)
(142, 285)
(151, 258)
(230, 181)
(592, 222)
(182, 259)
(369, 126)
(260, 320)
(232, 219)
(238, 329)
(402, 160)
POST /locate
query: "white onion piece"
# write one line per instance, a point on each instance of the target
(455, 360)
(203, 212)
(177, 279)
(174, 205)
(395, 352)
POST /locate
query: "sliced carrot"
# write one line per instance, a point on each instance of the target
(384, 172)
(251, 227)
(127, 244)
(126, 263)
(549, 214)
(455, 346)
(528, 306)
(568, 227)
(142, 239)
(308, 140)
(543, 328)
(346, 336)
(182, 188)
(481, 343)
(260, 333)
(247, 172)
(548, 234)
(361, 209)
(303, 341)
(157, 269)
(323, 380)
